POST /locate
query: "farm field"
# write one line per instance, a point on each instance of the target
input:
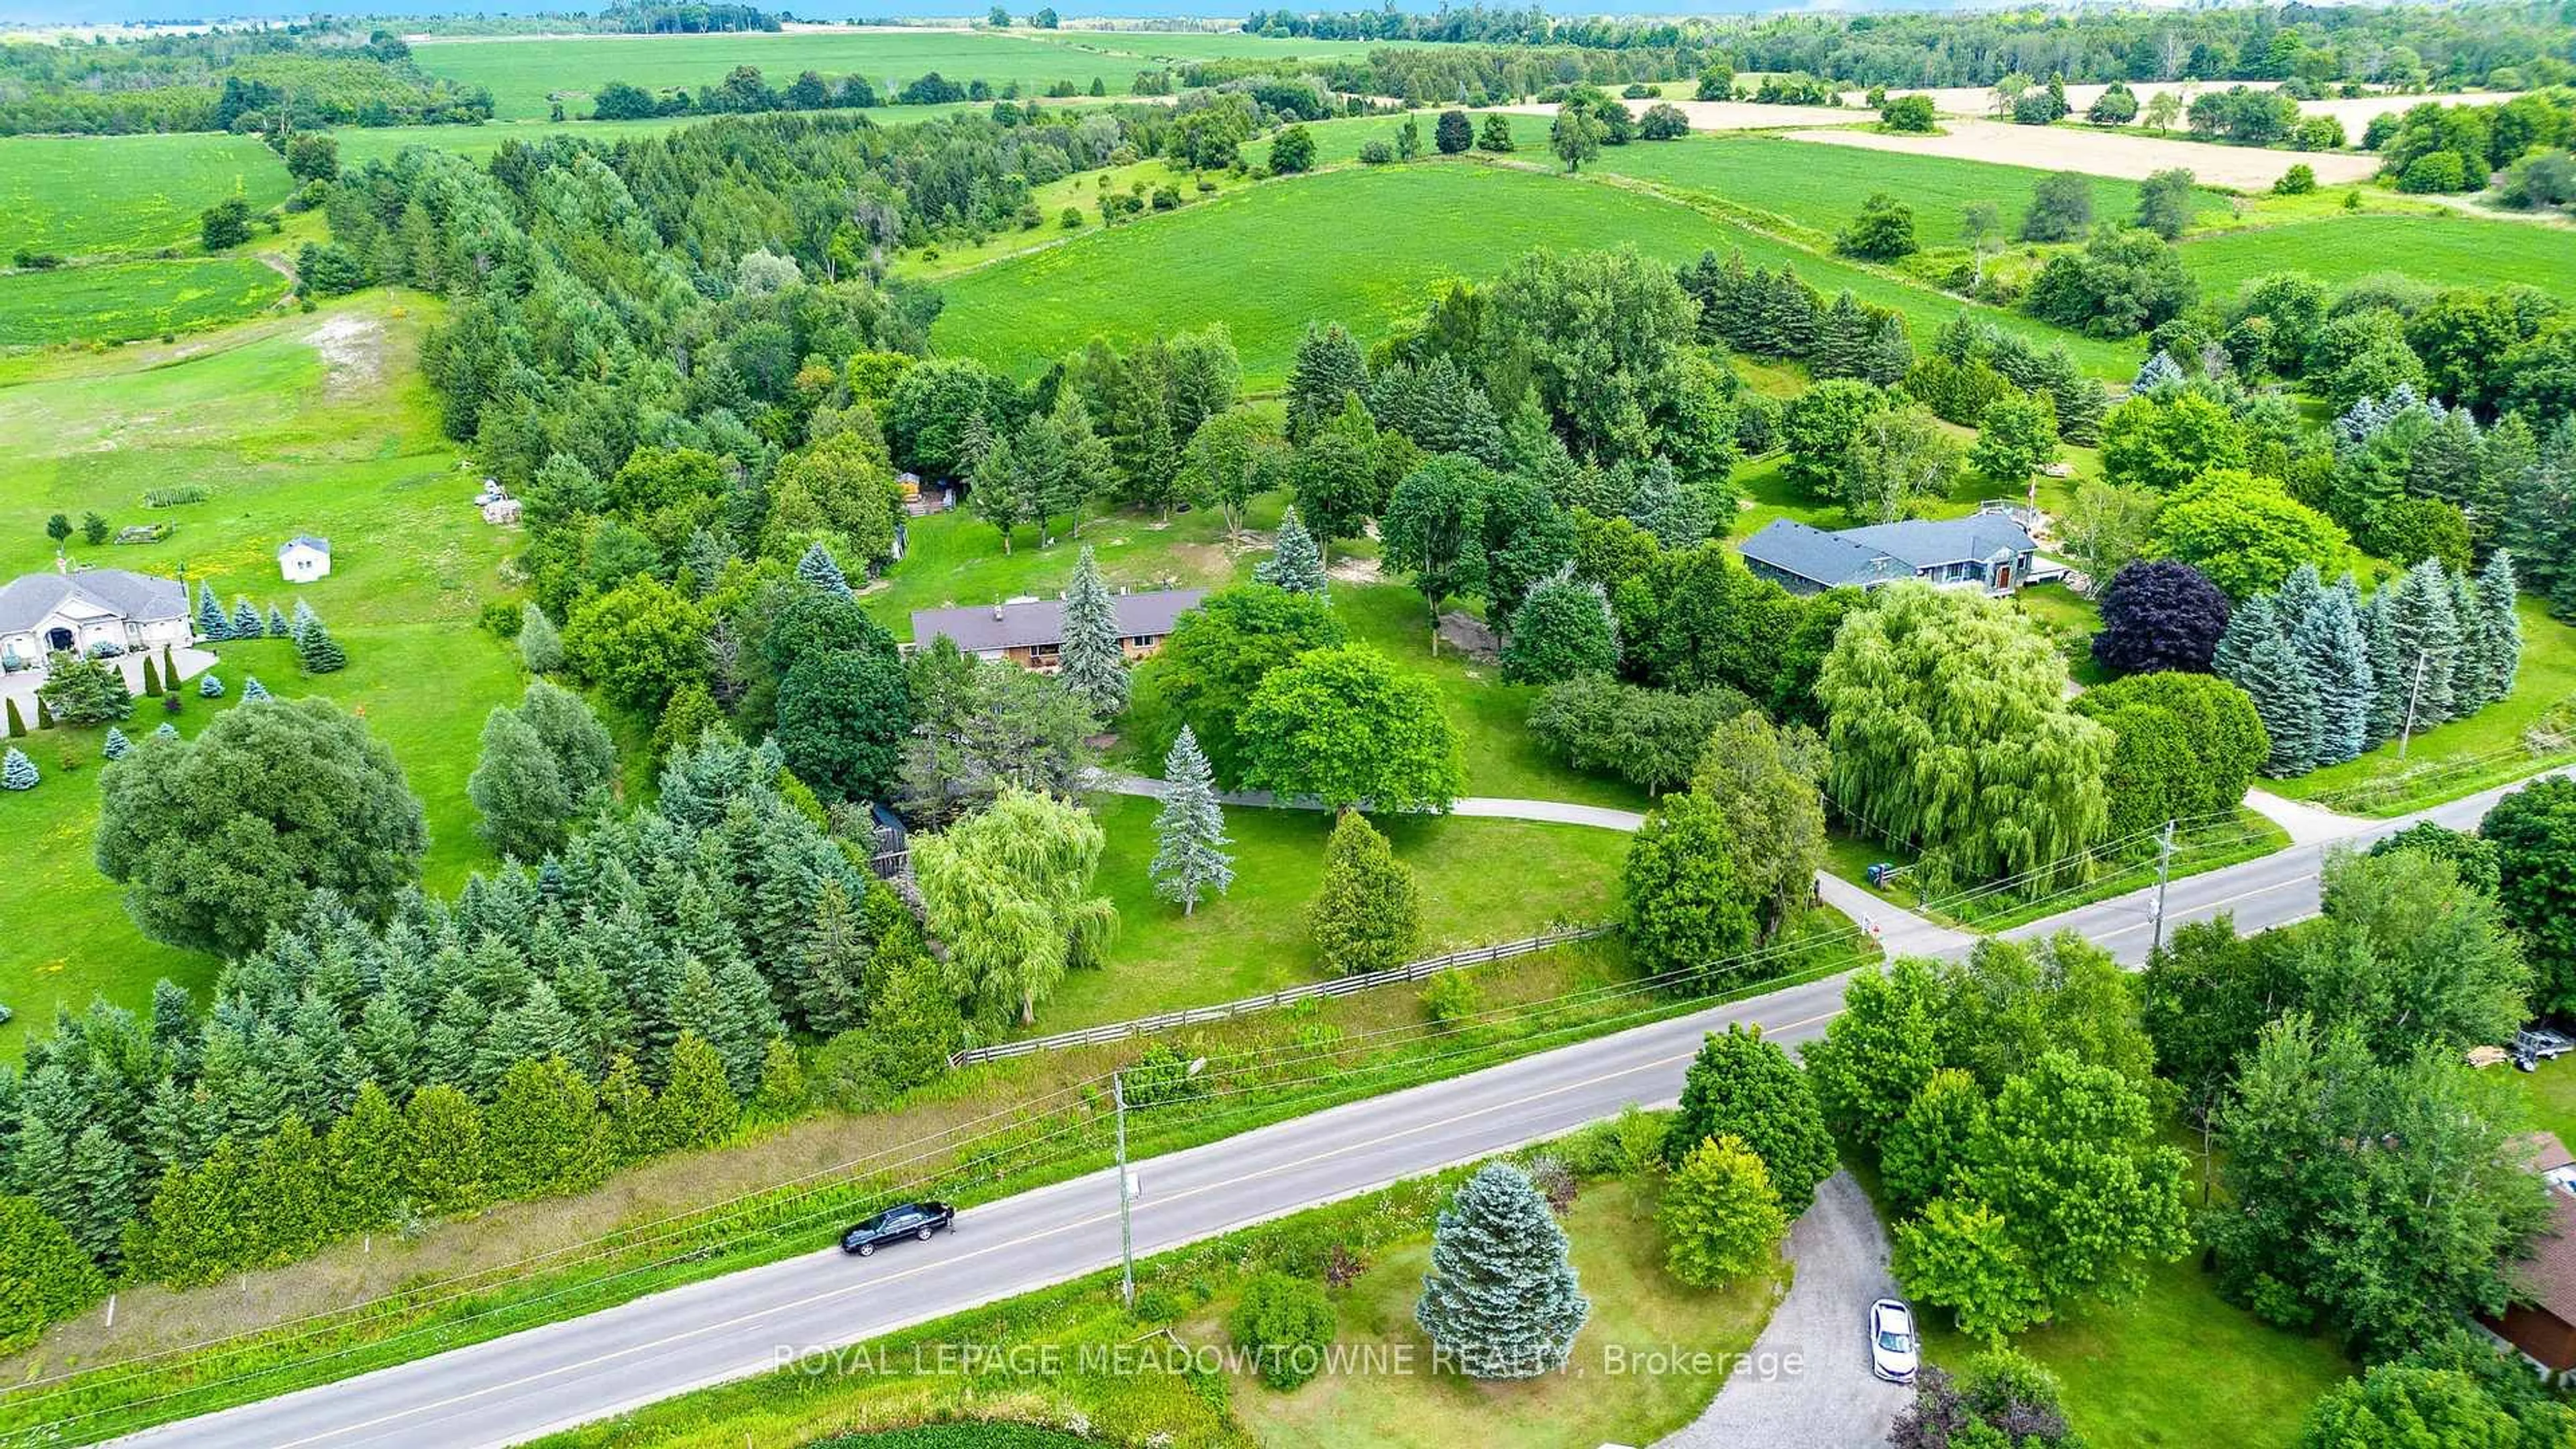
(81, 195)
(126, 301)
(2442, 250)
(1822, 187)
(524, 75)
(2106, 153)
(337, 437)
(1267, 259)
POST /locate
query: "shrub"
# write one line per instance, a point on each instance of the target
(1376, 153)
(1911, 115)
(1450, 998)
(1285, 1324)
(2299, 180)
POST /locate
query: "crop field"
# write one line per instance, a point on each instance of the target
(124, 301)
(80, 195)
(526, 75)
(2106, 153)
(296, 424)
(2443, 250)
(1823, 186)
(1268, 259)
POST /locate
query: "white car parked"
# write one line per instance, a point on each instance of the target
(1893, 1349)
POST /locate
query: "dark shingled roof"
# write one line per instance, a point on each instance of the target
(26, 600)
(2547, 1277)
(1041, 621)
(1883, 550)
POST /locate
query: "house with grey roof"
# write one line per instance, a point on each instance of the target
(304, 558)
(1989, 551)
(1030, 632)
(77, 611)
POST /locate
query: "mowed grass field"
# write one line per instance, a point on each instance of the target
(83, 195)
(1254, 938)
(2442, 250)
(526, 75)
(1269, 259)
(1823, 186)
(289, 440)
(128, 301)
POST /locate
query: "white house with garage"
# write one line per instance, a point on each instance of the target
(76, 612)
(304, 558)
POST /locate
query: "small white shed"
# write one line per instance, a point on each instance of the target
(304, 558)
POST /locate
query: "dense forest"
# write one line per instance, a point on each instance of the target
(298, 77)
(2397, 45)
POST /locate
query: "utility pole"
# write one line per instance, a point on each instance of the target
(2406, 736)
(1126, 1223)
(2164, 873)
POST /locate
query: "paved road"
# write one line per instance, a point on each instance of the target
(1821, 1394)
(550, 1378)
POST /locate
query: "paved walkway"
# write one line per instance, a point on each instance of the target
(1901, 931)
(1829, 1399)
(2307, 824)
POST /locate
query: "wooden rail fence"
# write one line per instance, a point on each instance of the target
(1272, 1001)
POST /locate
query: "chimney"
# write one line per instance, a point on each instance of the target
(997, 610)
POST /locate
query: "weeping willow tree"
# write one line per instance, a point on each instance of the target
(1007, 891)
(1949, 728)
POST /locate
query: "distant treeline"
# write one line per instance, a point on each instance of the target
(745, 92)
(2502, 45)
(298, 77)
(636, 19)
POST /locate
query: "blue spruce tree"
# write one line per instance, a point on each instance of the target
(212, 626)
(818, 568)
(210, 686)
(1501, 1300)
(247, 623)
(17, 772)
(116, 746)
(252, 690)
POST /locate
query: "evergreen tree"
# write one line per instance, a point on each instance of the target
(782, 1080)
(2389, 683)
(247, 623)
(1295, 564)
(1564, 628)
(817, 567)
(17, 772)
(1189, 832)
(2159, 372)
(1368, 914)
(2326, 636)
(1094, 660)
(2427, 637)
(165, 731)
(697, 1107)
(116, 746)
(629, 1119)
(304, 618)
(17, 725)
(44, 1276)
(2286, 699)
(365, 1150)
(1501, 1300)
(545, 1131)
(442, 1159)
(212, 626)
(252, 690)
(316, 652)
(277, 627)
(210, 686)
(104, 1171)
(2500, 658)
(152, 676)
(1328, 368)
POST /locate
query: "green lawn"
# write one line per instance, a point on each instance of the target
(1822, 187)
(126, 301)
(526, 75)
(77, 195)
(1254, 939)
(1271, 258)
(2442, 250)
(956, 558)
(2551, 1093)
(2177, 1366)
(2463, 756)
(1636, 1306)
(289, 445)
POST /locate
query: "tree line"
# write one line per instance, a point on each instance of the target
(2403, 46)
(304, 76)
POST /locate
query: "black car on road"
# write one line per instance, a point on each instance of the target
(912, 1220)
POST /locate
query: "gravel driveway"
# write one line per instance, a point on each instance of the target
(1832, 1401)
